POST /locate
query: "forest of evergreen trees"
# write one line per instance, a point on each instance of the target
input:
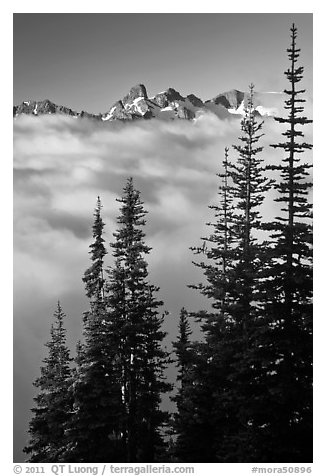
(244, 391)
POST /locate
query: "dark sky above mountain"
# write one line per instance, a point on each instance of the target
(88, 61)
(61, 165)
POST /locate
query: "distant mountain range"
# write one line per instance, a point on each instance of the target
(165, 105)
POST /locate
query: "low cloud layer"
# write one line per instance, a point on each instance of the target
(61, 165)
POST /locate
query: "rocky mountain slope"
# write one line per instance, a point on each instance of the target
(166, 105)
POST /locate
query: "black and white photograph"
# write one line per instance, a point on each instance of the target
(162, 230)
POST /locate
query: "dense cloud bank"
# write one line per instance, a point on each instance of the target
(62, 165)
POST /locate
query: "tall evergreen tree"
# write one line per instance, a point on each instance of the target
(133, 310)
(249, 190)
(198, 425)
(54, 400)
(243, 399)
(94, 431)
(196, 421)
(233, 268)
(94, 275)
(290, 292)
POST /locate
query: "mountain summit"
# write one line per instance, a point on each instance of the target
(230, 100)
(166, 105)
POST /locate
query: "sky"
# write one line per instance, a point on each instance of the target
(89, 61)
(61, 165)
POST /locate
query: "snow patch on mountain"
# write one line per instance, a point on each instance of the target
(108, 115)
(239, 110)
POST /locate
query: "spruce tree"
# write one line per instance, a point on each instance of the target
(289, 295)
(198, 424)
(54, 400)
(233, 265)
(133, 309)
(250, 186)
(94, 275)
(94, 431)
(243, 399)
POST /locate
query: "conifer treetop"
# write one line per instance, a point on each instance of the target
(93, 276)
(130, 235)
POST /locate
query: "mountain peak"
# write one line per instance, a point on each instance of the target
(165, 98)
(137, 91)
(229, 99)
(173, 93)
(196, 101)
